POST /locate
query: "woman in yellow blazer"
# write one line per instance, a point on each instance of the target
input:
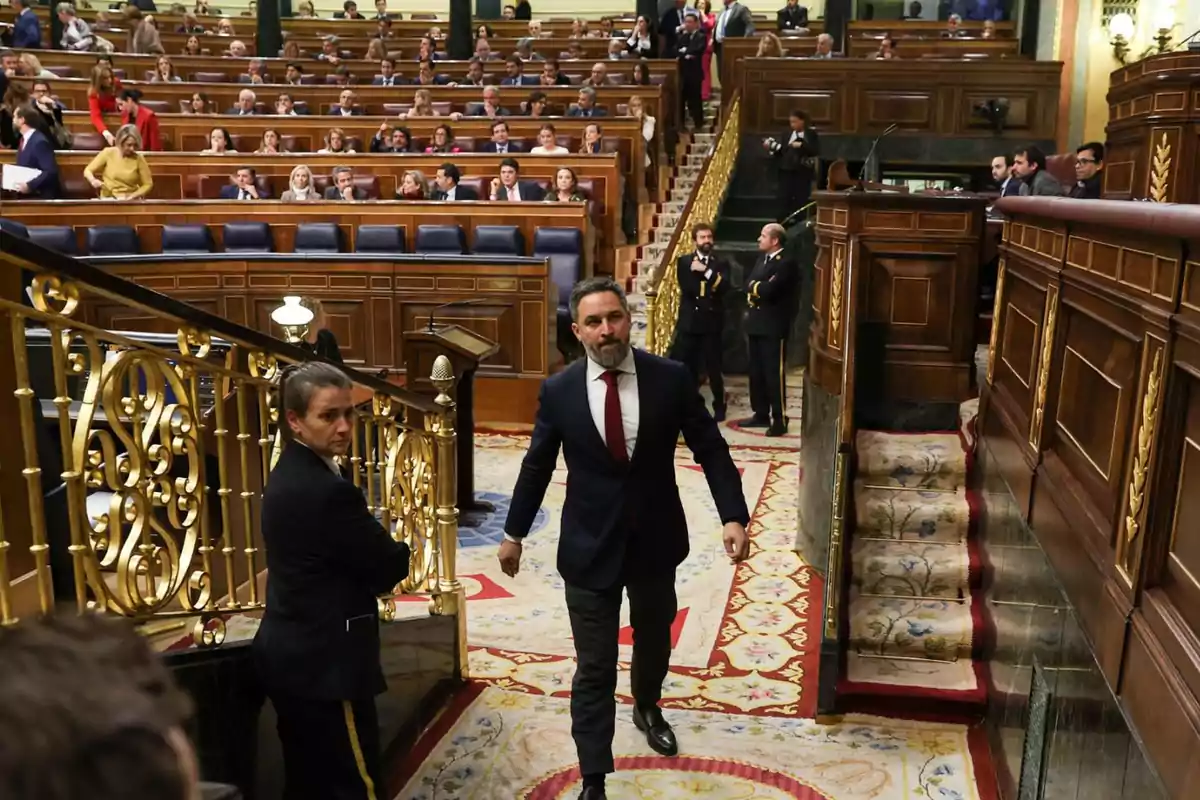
(120, 172)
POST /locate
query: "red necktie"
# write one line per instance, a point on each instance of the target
(614, 428)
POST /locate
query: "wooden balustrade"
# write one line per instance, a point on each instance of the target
(1092, 416)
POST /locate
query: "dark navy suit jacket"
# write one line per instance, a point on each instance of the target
(38, 153)
(622, 515)
(26, 31)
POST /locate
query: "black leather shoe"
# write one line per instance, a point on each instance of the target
(593, 793)
(754, 422)
(719, 413)
(659, 735)
(777, 429)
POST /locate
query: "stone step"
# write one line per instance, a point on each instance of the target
(911, 515)
(911, 569)
(938, 630)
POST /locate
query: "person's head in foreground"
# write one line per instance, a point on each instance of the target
(87, 710)
(600, 320)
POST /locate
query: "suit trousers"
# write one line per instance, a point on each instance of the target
(595, 624)
(768, 386)
(331, 749)
(795, 189)
(701, 353)
(691, 95)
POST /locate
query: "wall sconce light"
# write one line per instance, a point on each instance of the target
(294, 318)
(1164, 23)
(1120, 28)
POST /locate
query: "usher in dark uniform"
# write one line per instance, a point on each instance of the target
(770, 291)
(317, 650)
(701, 321)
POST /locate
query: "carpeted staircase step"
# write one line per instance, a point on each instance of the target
(933, 629)
(929, 570)
(910, 514)
(913, 461)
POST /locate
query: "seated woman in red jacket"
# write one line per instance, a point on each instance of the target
(102, 98)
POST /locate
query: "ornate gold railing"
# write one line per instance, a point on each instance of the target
(662, 297)
(133, 468)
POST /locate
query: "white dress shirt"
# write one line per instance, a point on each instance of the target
(627, 390)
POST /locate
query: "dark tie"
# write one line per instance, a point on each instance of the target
(614, 429)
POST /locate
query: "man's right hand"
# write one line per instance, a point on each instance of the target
(510, 558)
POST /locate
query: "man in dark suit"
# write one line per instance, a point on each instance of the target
(510, 188)
(734, 22)
(797, 152)
(703, 283)
(689, 53)
(343, 186)
(244, 187)
(35, 151)
(770, 297)
(387, 74)
(514, 73)
(617, 415)
(328, 558)
(670, 25)
(26, 29)
(500, 142)
(447, 188)
(791, 17)
(585, 105)
(1002, 174)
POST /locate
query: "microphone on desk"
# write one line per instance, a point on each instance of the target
(471, 301)
(862, 175)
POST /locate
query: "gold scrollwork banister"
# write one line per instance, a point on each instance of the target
(662, 296)
(165, 445)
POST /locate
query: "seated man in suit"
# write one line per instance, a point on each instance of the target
(1089, 166)
(387, 74)
(347, 105)
(500, 142)
(446, 185)
(35, 152)
(427, 75)
(243, 186)
(514, 69)
(293, 75)
(510, 187)
(825, 47)
(349, 11)
(474, 76)
(490, 107)
(244, 106)
(285, 106)
(585, 106)
(1030, 165)
(1002, 174)
(792, 17)
(343, 186)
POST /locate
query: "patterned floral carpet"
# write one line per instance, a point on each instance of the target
(912, 620)
(743, 673)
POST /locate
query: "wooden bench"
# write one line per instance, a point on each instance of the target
(194, 177)
(305, 135)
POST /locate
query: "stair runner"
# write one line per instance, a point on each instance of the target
(666, 218)
(915, 622)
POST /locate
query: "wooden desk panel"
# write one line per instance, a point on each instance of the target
(901, 28)
(369, 304)
(926, 97)
(909, 47)
(182, 176)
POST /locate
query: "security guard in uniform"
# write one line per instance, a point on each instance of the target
(703, 283)
(770, 290)
(317, 650)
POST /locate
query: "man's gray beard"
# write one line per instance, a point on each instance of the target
(610, 357)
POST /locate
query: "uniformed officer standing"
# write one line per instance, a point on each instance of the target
(690, 54)
(703, 282)
(317, 650)
(770, 290)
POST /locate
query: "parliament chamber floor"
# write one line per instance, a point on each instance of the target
(953, 301)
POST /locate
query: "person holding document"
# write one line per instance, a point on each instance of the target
(120, 172)
(36, 176)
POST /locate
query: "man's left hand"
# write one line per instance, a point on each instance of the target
(737, 542)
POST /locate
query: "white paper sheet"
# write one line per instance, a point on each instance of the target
(11, 175)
